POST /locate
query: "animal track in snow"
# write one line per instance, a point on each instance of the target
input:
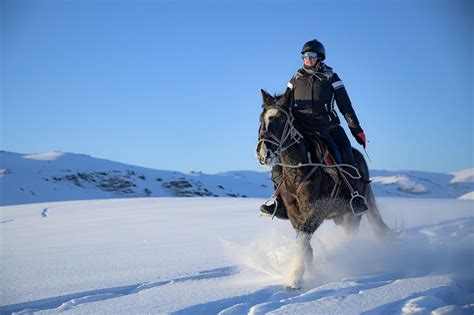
(66, 302)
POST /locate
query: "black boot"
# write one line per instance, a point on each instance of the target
(267, 210)
(358, 204)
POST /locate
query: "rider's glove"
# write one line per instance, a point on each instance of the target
(360, 138)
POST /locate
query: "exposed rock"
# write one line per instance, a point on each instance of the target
(186, 188)
(102, 180)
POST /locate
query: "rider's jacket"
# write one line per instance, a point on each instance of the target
(313, 93)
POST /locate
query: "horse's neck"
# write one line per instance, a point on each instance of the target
(299, 154)
(296, 154)
(307, 150)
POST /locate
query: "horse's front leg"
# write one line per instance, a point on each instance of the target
(303, 254)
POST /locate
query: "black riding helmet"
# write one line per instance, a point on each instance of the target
(315, 46)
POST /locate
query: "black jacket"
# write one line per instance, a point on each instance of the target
(312, 101)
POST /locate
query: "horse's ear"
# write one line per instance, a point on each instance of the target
(287, 94)
(286, 97)
(266, 97)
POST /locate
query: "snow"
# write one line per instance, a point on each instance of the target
(468, 196)
(48, 156)
(59, 176)
(463, 176)
(217, 256)
(404, 183)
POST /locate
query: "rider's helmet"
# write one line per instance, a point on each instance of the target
(315, 46)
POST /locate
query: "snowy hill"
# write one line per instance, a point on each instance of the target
(58, 176)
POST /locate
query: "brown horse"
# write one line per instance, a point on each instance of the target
(309, 190)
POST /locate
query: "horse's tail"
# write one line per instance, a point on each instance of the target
(373, 216)
(375, 219)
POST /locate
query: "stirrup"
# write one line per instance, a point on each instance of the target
(354, 196)
(273, 199)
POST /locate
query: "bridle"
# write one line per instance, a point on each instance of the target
(289, 132)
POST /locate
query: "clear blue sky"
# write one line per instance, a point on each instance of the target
(176, 84)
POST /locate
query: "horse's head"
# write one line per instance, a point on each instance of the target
(276, 128)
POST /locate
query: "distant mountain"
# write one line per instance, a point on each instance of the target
(58, 176)
(423, 184)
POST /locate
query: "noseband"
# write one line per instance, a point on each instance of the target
(289, 132)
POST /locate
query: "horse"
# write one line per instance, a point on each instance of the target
(308, 189)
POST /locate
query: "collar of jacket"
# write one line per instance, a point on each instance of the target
(321, 69)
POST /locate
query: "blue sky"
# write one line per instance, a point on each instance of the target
(176, 84)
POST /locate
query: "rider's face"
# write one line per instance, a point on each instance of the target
(310, 62)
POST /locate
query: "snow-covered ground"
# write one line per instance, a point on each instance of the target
(215, 255)
(59, 176)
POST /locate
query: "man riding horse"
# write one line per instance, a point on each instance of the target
(312, 92)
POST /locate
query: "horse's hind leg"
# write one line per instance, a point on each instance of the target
(308, 253)
(309, 258)
(349, 223)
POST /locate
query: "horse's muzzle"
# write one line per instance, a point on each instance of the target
(265, 156)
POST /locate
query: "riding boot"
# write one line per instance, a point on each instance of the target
(267, 210)
(280, 213)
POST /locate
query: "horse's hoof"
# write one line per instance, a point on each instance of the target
(292, 288)
(294, 285)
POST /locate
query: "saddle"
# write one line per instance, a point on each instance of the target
(320, 152)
